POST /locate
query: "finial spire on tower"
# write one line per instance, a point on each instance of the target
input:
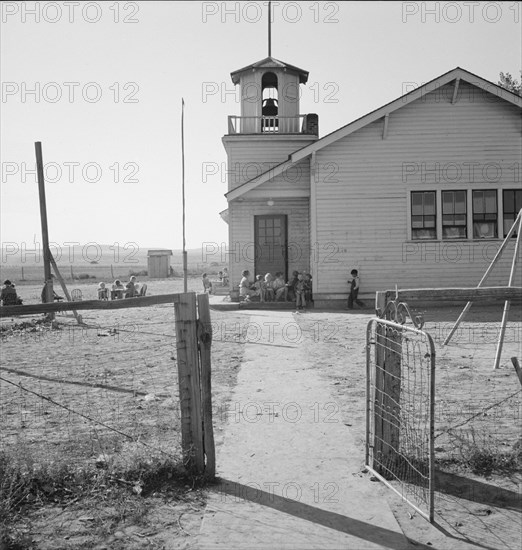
(269, 29)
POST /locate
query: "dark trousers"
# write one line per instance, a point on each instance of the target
(353, 298)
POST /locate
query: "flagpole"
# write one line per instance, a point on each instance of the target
(269, 29)
(183, 194)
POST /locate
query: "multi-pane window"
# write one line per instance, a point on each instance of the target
(485, 214)
(454, 217)
(511, 205)
(423, 215)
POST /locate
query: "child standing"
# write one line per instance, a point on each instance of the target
(207, 283)
(309, 299)
(299, 290)
(354, 289)
(259, 287)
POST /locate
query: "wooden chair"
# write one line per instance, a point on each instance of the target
(76, 295)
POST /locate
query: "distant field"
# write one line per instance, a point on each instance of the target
(97, 262)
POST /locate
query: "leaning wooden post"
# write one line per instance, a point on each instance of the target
(205, 343)
(507, 303)
(64, 288)
(43, 220)
(189, 382)
(518, 370)
(497, 257)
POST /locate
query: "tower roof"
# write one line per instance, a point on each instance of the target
(271, 63)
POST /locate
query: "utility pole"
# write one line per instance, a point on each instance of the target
(185, 263)
(49, 298)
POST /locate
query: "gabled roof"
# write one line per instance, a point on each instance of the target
(456, 75)
(402, 101)
(271, 63)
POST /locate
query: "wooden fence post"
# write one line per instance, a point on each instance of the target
(189, 382)
(205, 343)
(381, 301)
(388, 349)
(392, 397)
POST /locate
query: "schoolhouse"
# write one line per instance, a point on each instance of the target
(418, 193)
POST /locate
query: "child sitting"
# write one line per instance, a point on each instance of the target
(103, 293)
(278, 286)
(269, 290)
(131, 288)
(244, 286)
(117, 290)
(290, 287)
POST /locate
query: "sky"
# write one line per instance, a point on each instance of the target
(100, 84)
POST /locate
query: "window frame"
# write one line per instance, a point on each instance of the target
(512, 214)
(494, 221)
(453, 214)
(434, 216)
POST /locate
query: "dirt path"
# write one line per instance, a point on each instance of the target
(289, 476)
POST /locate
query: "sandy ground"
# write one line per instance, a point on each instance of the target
(473, 511)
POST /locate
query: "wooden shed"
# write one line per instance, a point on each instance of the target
(158, 263)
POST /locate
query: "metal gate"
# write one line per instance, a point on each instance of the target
(400, 400)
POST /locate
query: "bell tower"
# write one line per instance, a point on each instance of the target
(269, 98)
(268, 197)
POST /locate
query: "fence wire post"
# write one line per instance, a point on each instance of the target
(189, 382)
(205, 343)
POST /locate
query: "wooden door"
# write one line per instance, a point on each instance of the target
(270, 235)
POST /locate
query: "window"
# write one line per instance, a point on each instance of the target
(454, 217)
(485, 214)
(512, 203)
(423, 215)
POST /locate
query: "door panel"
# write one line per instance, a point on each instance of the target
(270, 234)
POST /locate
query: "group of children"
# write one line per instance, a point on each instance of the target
(222, 280)
(118, 290)
(298, 288)
(273, 289)
(267, 288)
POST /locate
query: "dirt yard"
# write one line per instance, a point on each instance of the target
(117, 378)
(121, 371)
(477, 420)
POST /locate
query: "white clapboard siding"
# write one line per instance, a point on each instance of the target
(362, 208)
(293, 182)
(241, 234)
(250, 156)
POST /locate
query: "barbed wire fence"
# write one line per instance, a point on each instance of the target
(478, 410)
(87, 394)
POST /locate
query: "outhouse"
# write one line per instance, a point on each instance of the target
(158, 263)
